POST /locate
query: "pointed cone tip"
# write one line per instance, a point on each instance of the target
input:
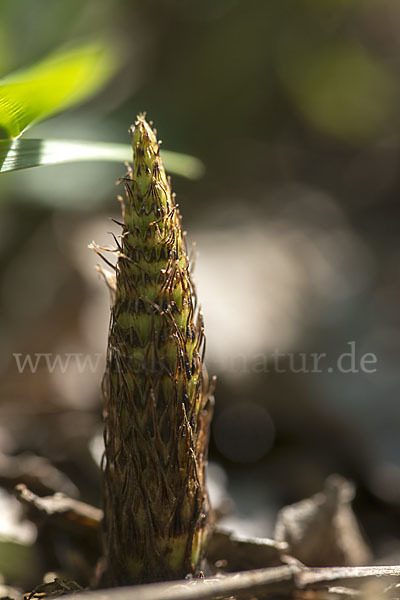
(143, 134)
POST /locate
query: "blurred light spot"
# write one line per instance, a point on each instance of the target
(96, 448)
(261, 282)
(11, 526)
(255, 524)
(244, 432)
(77, 381)
(250, 288)
(216, 484)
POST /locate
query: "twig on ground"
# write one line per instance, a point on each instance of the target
(266, 583)
(60, 509)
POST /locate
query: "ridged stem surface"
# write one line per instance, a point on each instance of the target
(157, 406)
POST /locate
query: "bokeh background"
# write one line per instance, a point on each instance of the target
(294, 108)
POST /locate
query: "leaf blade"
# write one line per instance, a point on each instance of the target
(27, 153)
(55, 83)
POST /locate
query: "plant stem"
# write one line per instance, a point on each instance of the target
(157, 400)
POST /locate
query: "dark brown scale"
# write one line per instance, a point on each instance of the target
(135, 338)
(161, 278)
(174, 307)
(186, 401)
(153, 255)
(188, 370)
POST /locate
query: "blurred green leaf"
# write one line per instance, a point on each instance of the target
(57, 82)
(26, 153)
(19, 562)
(340, 87)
